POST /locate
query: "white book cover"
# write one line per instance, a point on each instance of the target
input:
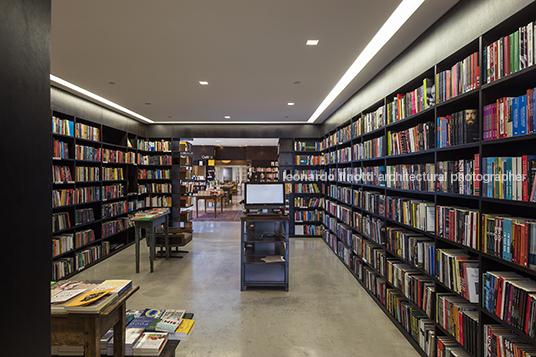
(65, 295)
(530, 39)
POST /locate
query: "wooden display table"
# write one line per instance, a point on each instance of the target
(213, 198)
(86, 330)
(149, 226)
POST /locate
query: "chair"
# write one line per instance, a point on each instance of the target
(178, 237)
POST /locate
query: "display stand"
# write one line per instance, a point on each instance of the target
(71, 329)
(264, 236)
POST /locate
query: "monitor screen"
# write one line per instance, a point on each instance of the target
(265, 194)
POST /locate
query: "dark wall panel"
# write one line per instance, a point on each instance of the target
(25, 146)
(202, 152)
(261, 153)
(236, 130)
(68, 103)
(230, 153)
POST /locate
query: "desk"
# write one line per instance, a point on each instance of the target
(213, 198)
(70, 329)
(149, 226)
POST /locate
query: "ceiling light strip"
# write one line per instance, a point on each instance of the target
(402, 13)
(98, 98)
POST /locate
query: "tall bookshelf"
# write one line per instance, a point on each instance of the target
(263, 171)
(299, 160)
(154, 172)
(90, 193)
(183, 185)
(377, 226)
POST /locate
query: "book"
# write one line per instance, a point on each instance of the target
(58, 303)
(150, 344)
(183, 331)
(169, 324)
(91, 301)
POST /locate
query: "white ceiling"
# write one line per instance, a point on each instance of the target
(252, 52)
(235, 142)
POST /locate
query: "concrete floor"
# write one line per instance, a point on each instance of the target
(325, 313)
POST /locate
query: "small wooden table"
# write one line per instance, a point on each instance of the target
(149, 226)
(213, 198)
(86, 330)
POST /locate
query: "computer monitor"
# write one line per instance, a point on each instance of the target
(264, 195)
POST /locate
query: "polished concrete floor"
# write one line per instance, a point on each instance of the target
(325, 313)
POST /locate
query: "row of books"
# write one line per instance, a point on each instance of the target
(307, 230)
(411, 103)
(304, 175)
(459, 176)
(500, 341)
(370, 149)
(112, 173)
(183, 160)
(458, 224)
(458, 272)
(458, 128)
(371, 227)
(512, 298)
(113, 191)
(310, 160)
(62, 126)
(157, 201)
(60, 221)
(60, 150)
(302, 202)
(113, 227)
(509, 54)
(419, 214)
(509, 178)
(416, 177)
(306, 188)
(118, 156)
(154, 145)
(72, 196)
(463, 77)
(87, 173)
(156, 174)
(87, 132)
(88, 153)
(154, 188)
(418, 138)
(84, 237)
(370, 201)
(113, 209)
(460, 319)
(154, 159)
(510, 116)
(304, 145)
(413, 247)
(83, 215)
(61, 174)
(62, 244)
(510, 238)
(373, 120)
(307, 216)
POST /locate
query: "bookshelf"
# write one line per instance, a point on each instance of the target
(297, 158)
(263, 171)
(389, 232)
(154, 159)
(91, 164)
(184, 185)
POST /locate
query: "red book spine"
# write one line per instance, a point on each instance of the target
(525, 190)
(476, 191)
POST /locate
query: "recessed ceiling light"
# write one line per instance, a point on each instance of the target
(98, 98)
(402, 13)
(203, 83)
(290, 103)
(311, 42)
(227, 117)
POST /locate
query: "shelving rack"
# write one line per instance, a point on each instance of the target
(263, 171)
(113, 173)
(91, 193)
(367, 252)
(183, 185)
